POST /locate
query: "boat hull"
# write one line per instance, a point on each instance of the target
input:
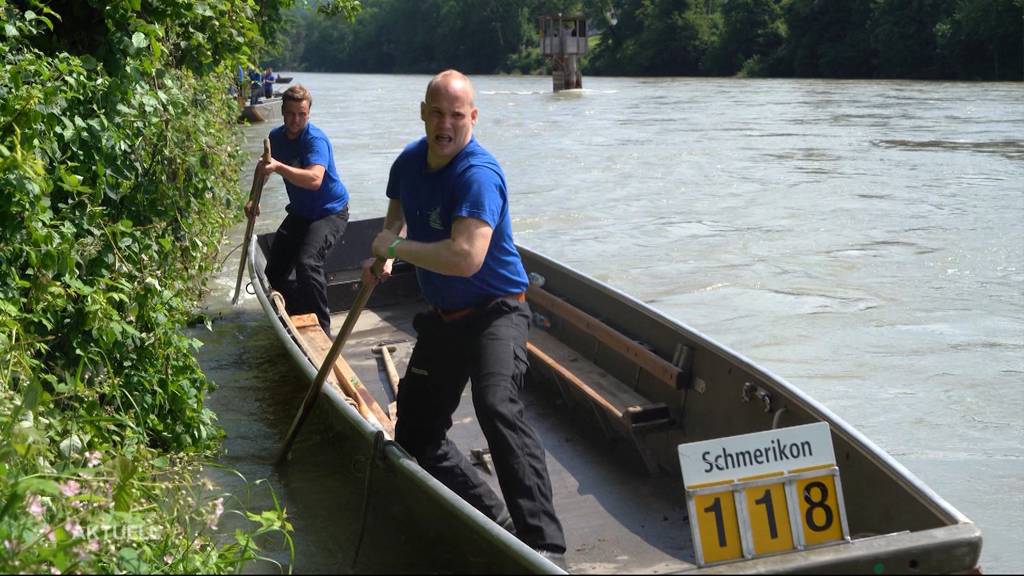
(621, 500)
(265, 111)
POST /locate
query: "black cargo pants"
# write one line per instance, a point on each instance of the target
(487, 348)
(302, 245)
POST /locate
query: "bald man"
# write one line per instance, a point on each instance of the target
(448, 194)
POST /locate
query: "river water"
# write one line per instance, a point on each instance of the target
(863, 240)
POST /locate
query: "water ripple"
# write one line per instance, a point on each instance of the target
(1011, 149)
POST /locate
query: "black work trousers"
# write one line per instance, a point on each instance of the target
(302, 245)
(487, 348)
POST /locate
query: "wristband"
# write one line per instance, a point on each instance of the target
(392, 246)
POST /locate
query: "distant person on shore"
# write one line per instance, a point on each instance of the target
(449, 193)
(268, 82)
(317, 208)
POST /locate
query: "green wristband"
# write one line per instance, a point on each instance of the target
(392, 246)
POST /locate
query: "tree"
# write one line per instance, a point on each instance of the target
(752, 32)
(656, 37)
(903, 33)
(828, 39)
(983, 39)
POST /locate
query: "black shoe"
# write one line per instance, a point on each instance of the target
(556, 558)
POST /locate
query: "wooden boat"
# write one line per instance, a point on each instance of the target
(614, 388)
(267, 109)
(283, 79)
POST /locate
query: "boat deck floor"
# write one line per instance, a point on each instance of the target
(616, 516)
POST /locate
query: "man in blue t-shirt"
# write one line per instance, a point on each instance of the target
(268, 82)
(317, 208)
(449, 195)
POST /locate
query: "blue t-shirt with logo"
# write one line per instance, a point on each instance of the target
(471, 185)
(310, 147)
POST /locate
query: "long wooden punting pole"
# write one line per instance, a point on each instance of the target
(254, 195)
(318, 383)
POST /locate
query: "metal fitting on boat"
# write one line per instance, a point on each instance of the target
(751, 391)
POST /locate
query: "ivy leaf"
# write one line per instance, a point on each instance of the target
(139, 40)
(33, 392)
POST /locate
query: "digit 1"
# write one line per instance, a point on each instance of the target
(770, 511)
(716, 509)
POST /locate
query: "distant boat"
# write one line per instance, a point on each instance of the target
(267, 109)
(611, 401)
(284, 79)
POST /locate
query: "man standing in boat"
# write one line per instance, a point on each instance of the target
(268, 82)
(449, 194)
(317, 208)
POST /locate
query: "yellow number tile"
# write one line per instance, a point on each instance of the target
(769, 518)
(718, 526)
(819, 510)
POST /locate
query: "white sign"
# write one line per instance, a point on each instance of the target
(738, 457)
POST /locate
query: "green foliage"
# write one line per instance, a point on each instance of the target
(119, 161)
(969, 39)
(276, 17)
(476, 36)
(752, 31)
(829, 39)
(904, 33)
(981, 40)
(655, 37)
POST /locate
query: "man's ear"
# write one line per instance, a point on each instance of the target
(423, 111)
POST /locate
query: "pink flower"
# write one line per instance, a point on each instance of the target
(73, 528)
(70, 488)
(51, 535)
(93, 546)
(218, 509)
(35, 507)
(92, 459)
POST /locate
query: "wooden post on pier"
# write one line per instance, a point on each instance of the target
(564, 40)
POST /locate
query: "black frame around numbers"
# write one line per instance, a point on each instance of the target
(767, 526)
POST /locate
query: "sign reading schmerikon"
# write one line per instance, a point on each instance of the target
(755, 454)
(763, 493)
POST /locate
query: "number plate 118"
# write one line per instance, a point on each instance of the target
(752, 518)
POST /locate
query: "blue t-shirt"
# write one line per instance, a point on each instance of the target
(471, 185)
(311, 147)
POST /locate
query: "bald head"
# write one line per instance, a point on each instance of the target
(448, 115)
(450, 81)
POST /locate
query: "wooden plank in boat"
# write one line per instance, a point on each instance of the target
(316, 344)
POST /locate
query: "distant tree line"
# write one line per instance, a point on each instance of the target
(923, 39)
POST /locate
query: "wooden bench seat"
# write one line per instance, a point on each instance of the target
(638, 355)
(625, 408)
(615, 400)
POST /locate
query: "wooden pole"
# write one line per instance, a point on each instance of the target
(314, 390)
(254, 196)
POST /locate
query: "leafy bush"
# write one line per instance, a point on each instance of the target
(118, 176)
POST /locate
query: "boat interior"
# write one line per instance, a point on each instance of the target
(613, 389)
